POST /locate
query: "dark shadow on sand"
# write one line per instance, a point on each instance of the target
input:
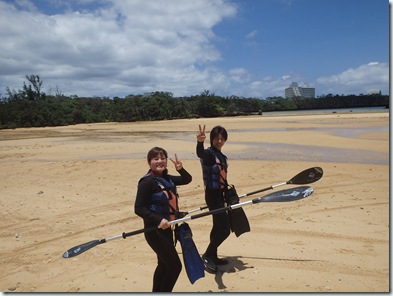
(236, 264)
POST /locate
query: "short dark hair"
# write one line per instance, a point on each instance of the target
(154, 152)
(216, 131)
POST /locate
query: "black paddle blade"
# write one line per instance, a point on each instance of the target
(286, 195)
(308, 176)
(77, 250)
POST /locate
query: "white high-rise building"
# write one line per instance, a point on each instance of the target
(296, 91)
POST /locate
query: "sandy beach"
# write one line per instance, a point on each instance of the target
(64, 186)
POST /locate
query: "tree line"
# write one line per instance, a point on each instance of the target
(31, 107)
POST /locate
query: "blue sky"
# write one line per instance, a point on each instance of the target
(247, 48)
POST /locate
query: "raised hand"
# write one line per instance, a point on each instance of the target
(201, 134)
(178, 164)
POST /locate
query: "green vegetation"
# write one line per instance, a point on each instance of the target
(31, 107)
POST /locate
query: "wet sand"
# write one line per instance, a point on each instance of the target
(63, 186)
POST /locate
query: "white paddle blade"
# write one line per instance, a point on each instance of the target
(286, 195)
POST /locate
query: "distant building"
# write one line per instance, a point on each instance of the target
(296, 91)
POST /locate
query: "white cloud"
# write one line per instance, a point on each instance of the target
(239, 75)
(136, 46)
(126, 47)
(252, 34)
(371, 76)
(25, 5)
(261, 87)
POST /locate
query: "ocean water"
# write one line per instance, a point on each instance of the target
(380, 109)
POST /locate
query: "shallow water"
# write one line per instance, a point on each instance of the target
(255, 150)
(346, 132)
(283, 152)
(289, 152)
(292, 152)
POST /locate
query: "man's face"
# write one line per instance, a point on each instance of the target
(218, 142)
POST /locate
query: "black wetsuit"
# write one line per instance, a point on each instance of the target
(215, 199)
(161, 241)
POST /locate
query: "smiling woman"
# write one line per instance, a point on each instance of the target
(157, 203)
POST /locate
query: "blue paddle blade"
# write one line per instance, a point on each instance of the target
(286, 195)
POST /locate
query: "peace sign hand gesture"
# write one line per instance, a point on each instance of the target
(178, 164)
(201, 134)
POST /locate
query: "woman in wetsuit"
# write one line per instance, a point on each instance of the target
(156, 203)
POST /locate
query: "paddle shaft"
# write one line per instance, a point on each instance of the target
(243, 195)
(264, 189)
(77, 250)
(187, 218)
(280, 196)
(304, 177)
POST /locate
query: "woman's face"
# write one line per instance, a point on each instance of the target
(218, 142)
(158, 164)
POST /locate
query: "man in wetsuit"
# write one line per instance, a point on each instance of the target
(214, 167)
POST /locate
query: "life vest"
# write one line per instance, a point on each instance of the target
(215, 176)
(165, 201)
